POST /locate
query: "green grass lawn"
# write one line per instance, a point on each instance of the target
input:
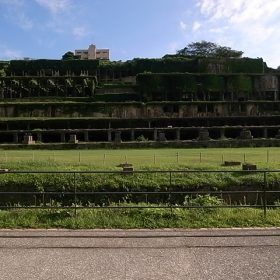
(142, 159)
(265, 157)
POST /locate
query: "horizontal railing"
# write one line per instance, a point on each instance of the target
(75, 204)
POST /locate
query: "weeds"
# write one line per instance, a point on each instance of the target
(138, 218)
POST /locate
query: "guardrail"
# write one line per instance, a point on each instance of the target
(41, 198)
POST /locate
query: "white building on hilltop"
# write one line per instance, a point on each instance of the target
(93, 53)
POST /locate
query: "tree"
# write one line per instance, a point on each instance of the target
(208, 49)
(69, 55)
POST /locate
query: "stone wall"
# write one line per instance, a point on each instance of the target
(138, 110)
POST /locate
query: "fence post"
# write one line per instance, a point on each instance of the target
(75, 194)
(177, 157)
(264, 193)
(267, 156)
(170, 183)
(104, 158)
(200, 157)
(154, 159)
(44, 202)
(244, 158)
(79, 157)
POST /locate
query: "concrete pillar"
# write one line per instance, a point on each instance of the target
(265, 132)
(39, 136)
(203, 134)
(161, 136)
(275, 95)
(28, 139)
(73, 139)
(277, 136)
(178, 134)
(62, 137)
(245, 134)
(155, 134)
(109, 133)
(118, 136)
(15, 138)
(222, 133)
(86, 136)
(132, 135)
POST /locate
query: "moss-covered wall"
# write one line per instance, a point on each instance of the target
(231, 65)
(239, 83)
(130, 110)
(47, 66)
(136, 66)
(33, 86)
(213, 83)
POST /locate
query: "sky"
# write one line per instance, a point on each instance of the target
(138, 28)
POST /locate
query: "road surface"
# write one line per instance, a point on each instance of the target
(140, 254)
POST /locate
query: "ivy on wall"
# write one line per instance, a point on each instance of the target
(139, 65)
(32, 67)
(172, 86)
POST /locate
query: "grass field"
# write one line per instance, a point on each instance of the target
(265, 157)
(141, 158)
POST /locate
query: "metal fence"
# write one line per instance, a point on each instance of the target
(40, 199)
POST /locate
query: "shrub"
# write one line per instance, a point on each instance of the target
(203, 200)
(141, 138)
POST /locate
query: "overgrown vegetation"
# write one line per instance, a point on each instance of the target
(133, 218)
(138, 218)
(107, 182)
(168, 64)
(32, 67)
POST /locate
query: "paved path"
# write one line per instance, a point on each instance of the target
(140, 254)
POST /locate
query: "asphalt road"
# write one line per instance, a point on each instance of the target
(140, 254)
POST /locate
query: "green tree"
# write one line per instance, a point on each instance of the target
(69, 56)
(208, 49)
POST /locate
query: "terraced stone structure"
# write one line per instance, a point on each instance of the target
(180, 102)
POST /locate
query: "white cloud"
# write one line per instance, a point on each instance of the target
(23, 21)
(80, 32)
(252, 26)
(15, 12)
(196, 26)
(218, 30)
(12, 53)
(172, 47)
(8, 53)
(61, 18)
(55, 6)
(183, 26)
(11, 2)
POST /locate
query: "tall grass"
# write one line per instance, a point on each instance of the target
(139, 218)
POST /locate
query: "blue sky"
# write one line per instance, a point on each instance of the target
(131, 28)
